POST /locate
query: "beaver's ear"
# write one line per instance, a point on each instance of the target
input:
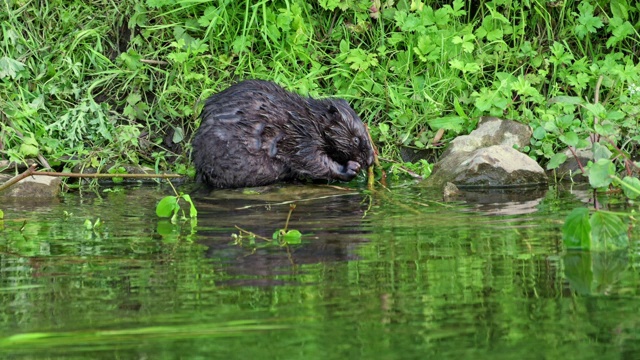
(334, 113)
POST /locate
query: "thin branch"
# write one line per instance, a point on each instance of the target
(296, 201)
(108, 176)
(30, 171)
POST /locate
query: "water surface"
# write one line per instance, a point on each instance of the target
(397, 274)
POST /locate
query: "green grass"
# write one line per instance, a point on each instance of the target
(108, 82)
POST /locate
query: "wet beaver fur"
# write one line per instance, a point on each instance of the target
(256, 133)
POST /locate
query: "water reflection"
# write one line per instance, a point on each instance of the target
(510, 201)
(330, 219)
(398, 274)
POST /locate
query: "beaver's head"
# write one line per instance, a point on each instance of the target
(346, 136)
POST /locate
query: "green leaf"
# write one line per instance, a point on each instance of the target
(210, 16)
(167, 206)
(192, 210)
(132, 59)
(292, 237)
(630, 186)
(569, 100)
(178, 135)
(619, 9)
(570, 138)
(1, 214)
(446, 122)
(88, 225)
(587, 23)
(601, 152)
(556, 160)
(28, 150)
(10, 67)
(576, 231)
(539, 133)
(608, 231)
(601, 172)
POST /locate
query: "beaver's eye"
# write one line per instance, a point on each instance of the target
(356, 141)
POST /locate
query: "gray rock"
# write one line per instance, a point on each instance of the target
(486, 158)
(35, 186)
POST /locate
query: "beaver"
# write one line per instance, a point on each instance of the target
(256, 133)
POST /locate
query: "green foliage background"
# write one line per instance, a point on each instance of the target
(102, 82)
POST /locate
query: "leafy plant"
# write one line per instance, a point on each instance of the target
(281, 237)
(169, 206)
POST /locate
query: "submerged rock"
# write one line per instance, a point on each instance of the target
(486, 158)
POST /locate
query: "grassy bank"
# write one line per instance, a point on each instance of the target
(101, 83)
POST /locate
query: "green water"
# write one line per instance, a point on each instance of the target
(398, 275)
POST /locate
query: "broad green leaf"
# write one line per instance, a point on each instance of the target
(556, 160)
(605, 129)
(569, 100)
(600, 152)
(88, 225)
(446, 122)
(1, 214)
(539, 133)
(630, 186)
(601, 172)
(608, 231)
(166, 207)
(570, 138)
(576, 231)
(615, 115)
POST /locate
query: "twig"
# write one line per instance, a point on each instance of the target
(30, 171)
(107, 176)
(286, 224)
(252, 234)
(295, 201)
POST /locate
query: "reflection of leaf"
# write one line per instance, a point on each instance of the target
(576, 232)
(608, 231)
(594, 272)
(577, 270)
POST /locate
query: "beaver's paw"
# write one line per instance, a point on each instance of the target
(353, 167)
(349, 171)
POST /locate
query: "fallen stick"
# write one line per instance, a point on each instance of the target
(32, 171)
